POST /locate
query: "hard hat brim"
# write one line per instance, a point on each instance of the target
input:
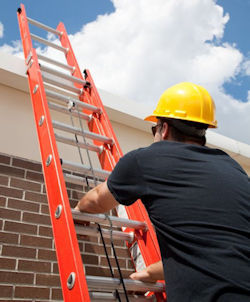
(151, 118)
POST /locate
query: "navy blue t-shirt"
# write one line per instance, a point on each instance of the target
(198, 200)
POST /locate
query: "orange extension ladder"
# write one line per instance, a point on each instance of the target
(74, 94)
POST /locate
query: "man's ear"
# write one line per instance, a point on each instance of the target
(165, 131)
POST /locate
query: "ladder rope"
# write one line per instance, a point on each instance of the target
(106, 215)
(109, 263)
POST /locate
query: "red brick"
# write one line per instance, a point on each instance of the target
(130, 264)
(45, 231)
(97, 271)
(36, 218)
(34, 266)
(16, 277)
(10, 214)
(6, 291)
(90, 259)
(55, 268)
(2, 201)
(10, 192)
(122, 252)
(74, 186)
(1, 224)
(31, 292)
(8, 238)
(73, 203)
(4, 180)
(104, 262)
(44, 209)
(7, 170)
(18, 251)
(57, 294)
(47, 255)
(23, 205)
(48, 280)
(125, 273)
(35, 176)
(25, 185)
(77, 195)
(96, 249)
(20, 227)
(36, 197)
(36, 241)
(4, 159)
(7, 263)
(27, 164)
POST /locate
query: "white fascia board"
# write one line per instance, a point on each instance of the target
(120, 109)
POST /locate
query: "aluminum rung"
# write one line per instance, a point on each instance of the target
(84, 169)
(62, 85)
(106, 283)
(45, 27)
(65, 110)
(73, 142)
(101, 218)
(70, 178)
(56, 63)
(94, 231)
(84, 133)
(66, 99)
(99, 296)
(62, 75)
(48, 43)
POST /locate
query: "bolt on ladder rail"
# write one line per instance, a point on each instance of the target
(87, 105)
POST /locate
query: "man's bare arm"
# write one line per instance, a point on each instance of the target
(97, 200)
(152, 273)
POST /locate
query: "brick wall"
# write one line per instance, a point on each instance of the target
(28, 265)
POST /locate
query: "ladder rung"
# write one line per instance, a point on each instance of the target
(84, 133)
(65, 110)
(99, 296)
(80, 180)
(56, 63)
(106, 283)
(84, 169)
(65, 86)
(101, 218)
(93, 231)
(62, 75)
(67, 99)
(48, 43)
(73, 142)
(45, 27)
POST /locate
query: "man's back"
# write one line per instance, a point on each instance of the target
(198, 201)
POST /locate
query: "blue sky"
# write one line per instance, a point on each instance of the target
(237, 31)
(115, 39)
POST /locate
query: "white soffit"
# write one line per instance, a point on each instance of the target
(120, 109)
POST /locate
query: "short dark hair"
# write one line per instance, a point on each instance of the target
(182, 130)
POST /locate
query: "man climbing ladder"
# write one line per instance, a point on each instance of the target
(196, 197)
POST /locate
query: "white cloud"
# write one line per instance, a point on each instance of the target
(1, 29)
(248, 96)
(15, 48)
(142, 48)
(246, 67)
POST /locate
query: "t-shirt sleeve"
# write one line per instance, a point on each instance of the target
(126, 182)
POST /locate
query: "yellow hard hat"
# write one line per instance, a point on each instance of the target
(186, 101)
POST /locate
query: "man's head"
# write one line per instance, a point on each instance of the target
(180, 131)
(183, 113)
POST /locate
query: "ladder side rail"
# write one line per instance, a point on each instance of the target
(67, 249)
(96, 124)
(147, 241)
